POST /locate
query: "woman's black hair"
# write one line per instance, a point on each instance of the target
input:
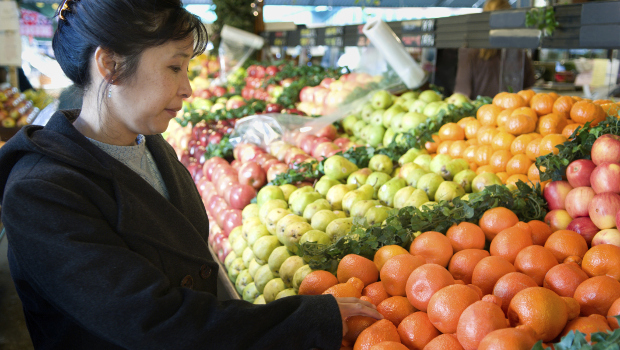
(125, 27)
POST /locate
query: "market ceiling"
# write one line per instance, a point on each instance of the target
(334, 3)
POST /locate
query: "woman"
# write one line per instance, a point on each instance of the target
(107, 232)
(478, 71)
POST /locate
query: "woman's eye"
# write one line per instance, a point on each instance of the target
(175, 69)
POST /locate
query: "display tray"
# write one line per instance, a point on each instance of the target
(225, 288)
(7, 133)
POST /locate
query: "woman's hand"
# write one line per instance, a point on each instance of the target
(355, 307)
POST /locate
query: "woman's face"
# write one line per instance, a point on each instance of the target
(145, 103)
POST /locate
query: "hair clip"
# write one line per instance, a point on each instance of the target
(65, 7)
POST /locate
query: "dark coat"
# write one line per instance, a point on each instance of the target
(101, 260)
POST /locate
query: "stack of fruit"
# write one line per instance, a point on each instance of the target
(16, 108)
(447, 292)
(589, 202)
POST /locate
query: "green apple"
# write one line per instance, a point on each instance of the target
(300, 274)
(376, 118)
(319, 204)
(267, 193)
(401, 196)
(277, 257)
(236, 266)
(288, 269)
(243, 279)
(381, 99)
(250, 293)
(410, 156)
(410, 95)
(336, 193)
(416, 199)
(287, 189)
(415, 105)
(250, 211)
(448, 190)
(376, 180)
(273, 217)
(457, 99)
(262, 277)
(269, 206)
(483, 180)
(263, 247)
(377, 214)
(429, 183)
(412, 120)
(338, 228)
(293, 233)
(424, 161)
(288, 292)
(374, 135)
(465, 178)
(321, 219)
(260, 300)
(338, 167)
(359, 177)
(367, 110)
(381, 163)
(429, 96)
(272, 289)
(323, 185)
(388, 190)
(284, 222)
(390, 113)
(388, 137)
(348, 122)
(358, 127)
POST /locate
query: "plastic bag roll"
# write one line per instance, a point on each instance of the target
(384, 39)
(242, 37)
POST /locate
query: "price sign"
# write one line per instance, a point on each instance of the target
(420, 25)
(419, 40)
(307, 41)
(279, 38)
(308, 33)
(334, 36)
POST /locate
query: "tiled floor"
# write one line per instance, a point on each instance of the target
(13, 332)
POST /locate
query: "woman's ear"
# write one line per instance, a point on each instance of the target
(105, 62)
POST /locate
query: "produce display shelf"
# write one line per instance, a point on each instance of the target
(580, 26)
(225, 288)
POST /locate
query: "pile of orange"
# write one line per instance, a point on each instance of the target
(508, 135)
(447, 291)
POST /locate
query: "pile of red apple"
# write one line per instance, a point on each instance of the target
(589, 202)
(255, 81)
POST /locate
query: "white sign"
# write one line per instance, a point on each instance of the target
(9, 15)
(10, 48)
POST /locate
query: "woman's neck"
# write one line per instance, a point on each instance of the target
(100, 124)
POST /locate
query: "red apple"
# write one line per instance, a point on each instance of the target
(252, 174)
(237, 150)
(231, 218)
(210, 164)
(603, 209)
(224, 249)
(216, 240)
(585, 227)
(297, 159)
(555, 194)
(306, 142)
(608, 236)
(579, 171)
(223, 187)
(606, 149)
(558, 219)
(250, 153)
(214, 230)
(207, 190)
(577, 201)
(328, 131)
(606, 178)
(236, 164)
(282, 151)
(276, 169)
(306, 94)
(326, 82)
(269, 163)
(324, 149)
(241, 196)
(342, 141)
(221, 171)
(263, 157)
(320, 95)
(291, 152)
(216, 204)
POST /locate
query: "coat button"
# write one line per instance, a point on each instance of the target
(187, 282)
(205, 272)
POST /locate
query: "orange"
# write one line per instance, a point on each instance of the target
(488, 271)
(497, 99)
(549, 142)
(483, 155)
(316, 282)
(353, 265)
(518, 164)
(510, 241)
(485, 169)
(518, 338)
(520, 124)
(611, 109)
(424, 282)
(535, 261)
(389, 345)
(457, 148)
(587, 325)
(585, 111)
(601, 102)
(469, 154)
(434, 247)
(464, 262)
(503, 116)
(395, 309)
(396, 271)
(375, 292)
(564, 279)
(416, 330)
(596, 295)
(540, 231)
(542, 103)
(486, 134)
(562, 106)
(495, 220)
(355, 326)
(614, 310)
(541, 309)
(514, 178)
(344, 290)
(527, 95)
(532, 173)
(499, 160)
(570, 129)
(478, 320)
(386, 252)
(447, 304)
(451, 132)
(503, 176)
(466, 235)
(602, 259)
(431, 147)
(444, 147)
(511, 100)
(554, 95)
(573, 259)
(464, 121)
(502, 141)
(380, 331)
(551, 124)
(473, 166)
(564, 243)
(471, 129)
(525, 111)
(520, 143)
(509, 285)
(532, 150)
(444, 342)
(487, 114)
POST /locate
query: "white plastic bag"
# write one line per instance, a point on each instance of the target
(236, 46)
